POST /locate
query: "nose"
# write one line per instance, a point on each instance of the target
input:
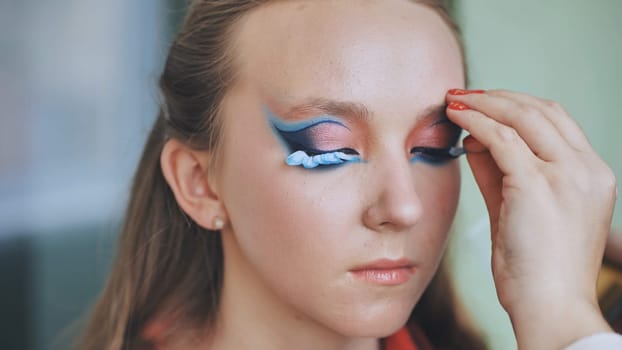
(395, 205)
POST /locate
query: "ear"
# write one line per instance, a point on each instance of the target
(187, 172)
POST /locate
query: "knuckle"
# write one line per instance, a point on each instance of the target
(529, 111)
(599, 179)
(506, 134)
(498, 92)
(608, 180)
(555, 106)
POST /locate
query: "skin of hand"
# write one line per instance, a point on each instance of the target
(550, 199)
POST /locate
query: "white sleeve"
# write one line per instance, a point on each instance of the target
(600, 341)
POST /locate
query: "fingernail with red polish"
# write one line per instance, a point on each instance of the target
(457, 106)
(458, 92)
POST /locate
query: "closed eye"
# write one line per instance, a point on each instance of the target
(314, 152)
(431, 155)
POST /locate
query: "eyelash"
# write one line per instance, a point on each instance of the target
(310, 159)
(430, 155)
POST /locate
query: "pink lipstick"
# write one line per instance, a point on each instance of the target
(385, 271)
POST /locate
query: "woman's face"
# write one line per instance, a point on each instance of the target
(367, 78)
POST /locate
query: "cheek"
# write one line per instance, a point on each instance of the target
(283, 217)
(438, 190)
(294, 215)
(294, 230)
(443, 189)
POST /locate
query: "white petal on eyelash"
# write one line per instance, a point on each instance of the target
(330, 158)
(309, 163)
(296, 158)
(317, 159)
(456, 151)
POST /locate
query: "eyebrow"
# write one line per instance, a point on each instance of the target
(326, 106)
(434, 114)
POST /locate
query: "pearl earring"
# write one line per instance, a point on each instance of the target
(219, 223)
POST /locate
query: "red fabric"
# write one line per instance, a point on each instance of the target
(401, 340)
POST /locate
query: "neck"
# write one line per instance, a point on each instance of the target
(251, 316)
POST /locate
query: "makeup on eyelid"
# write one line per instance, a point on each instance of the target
(313, 143)
(324, 129)
(321, 141)
(322, 136)
(436, 144)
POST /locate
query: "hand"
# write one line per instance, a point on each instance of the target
(550, 199)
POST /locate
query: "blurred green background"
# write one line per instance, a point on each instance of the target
(78, 90)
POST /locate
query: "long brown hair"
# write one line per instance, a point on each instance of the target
(166, 264)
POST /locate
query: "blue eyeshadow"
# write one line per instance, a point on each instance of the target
(301, 148)
(297, 136)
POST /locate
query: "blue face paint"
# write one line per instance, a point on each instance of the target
(310, 162)
(303, 150)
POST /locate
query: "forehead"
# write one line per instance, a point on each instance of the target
(384, 51)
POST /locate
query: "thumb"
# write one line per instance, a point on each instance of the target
(488, 177)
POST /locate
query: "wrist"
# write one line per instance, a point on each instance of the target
(556, 324)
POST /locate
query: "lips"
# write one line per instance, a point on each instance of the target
(385, 271)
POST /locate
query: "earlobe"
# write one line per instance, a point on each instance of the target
(187, 173)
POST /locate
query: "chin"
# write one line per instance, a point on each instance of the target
(376, 322)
